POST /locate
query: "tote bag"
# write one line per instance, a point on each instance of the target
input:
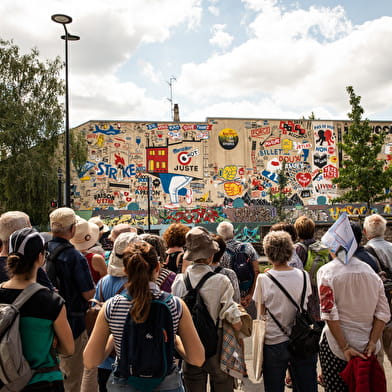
(258, 335)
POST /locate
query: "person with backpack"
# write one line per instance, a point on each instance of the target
(69, 272)
(43, 325)
(308, 249)
(146, 325)
(280, 316)
(243, 259)
(110, 285)
(174, 236)
(354, 308)
(209, 297)
(374, 228)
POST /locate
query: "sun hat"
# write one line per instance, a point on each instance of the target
(27, 243)
(62, 218)
(118, 229)
(102, 227)
(199, 244)
(11, 221)
(116, 266)
(86, 234)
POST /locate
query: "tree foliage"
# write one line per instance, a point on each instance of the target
(363, 176)
(30, 121)
(280, 199)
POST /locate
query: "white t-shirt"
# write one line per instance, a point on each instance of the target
(268, 293)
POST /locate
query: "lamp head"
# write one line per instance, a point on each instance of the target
(61, 18)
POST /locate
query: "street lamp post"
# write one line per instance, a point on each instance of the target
(64, 20)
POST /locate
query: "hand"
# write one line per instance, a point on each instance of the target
(352, 352)
(370, 348)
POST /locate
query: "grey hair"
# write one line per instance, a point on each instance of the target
(225, 230)
(278, 246)
(375, 226)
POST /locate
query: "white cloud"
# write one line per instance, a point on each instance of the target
(288, 64)
(302, 60)
(220, 38)
(213, 10)
(150, 72)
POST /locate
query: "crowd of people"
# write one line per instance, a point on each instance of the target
(140, 280)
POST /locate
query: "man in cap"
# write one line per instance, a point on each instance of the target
(70, 273)
(9, 222)
(217, 293)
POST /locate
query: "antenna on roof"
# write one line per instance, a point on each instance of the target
(170, 83)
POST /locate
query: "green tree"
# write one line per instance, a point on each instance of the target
(280, 199)
(30, 120)
(363, 176)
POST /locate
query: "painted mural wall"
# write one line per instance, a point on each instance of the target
(222, 163)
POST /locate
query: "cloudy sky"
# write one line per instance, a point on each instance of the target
(224, 58)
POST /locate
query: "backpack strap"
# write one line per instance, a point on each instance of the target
(201, 281)
(218, 269)
(26, 294)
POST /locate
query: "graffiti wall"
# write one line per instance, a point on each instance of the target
(199, 169)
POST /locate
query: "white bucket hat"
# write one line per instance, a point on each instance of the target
(86, 234)
(116, 266)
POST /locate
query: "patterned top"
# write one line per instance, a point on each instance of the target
(234, 246)
(117, 309)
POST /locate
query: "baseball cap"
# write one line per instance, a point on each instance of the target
(62, 218)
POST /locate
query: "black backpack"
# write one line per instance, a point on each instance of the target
(147, 349)
(243, 267)
(50, 264)
(204, 324)
(305, 334)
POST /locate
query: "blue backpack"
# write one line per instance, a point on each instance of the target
(147, 349)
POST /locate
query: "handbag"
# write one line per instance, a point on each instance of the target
(305, 335)
(258, 336)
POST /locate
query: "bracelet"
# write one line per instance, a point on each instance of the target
(346, 347)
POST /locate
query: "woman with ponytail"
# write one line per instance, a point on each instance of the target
(43, 320)
(141, 265)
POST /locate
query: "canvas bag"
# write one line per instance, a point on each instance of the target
(15, 371)
(147, 349)
(258, 337)
(305, 334)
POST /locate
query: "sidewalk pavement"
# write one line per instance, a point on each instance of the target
(251, 386)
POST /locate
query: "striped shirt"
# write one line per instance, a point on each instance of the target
(117, 309)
